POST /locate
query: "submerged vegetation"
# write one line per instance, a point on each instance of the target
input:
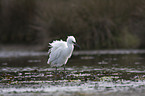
(97, 24)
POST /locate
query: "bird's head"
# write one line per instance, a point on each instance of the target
(72, 40)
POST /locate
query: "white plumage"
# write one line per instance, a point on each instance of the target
(60, 51)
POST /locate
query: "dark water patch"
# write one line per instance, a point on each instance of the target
(84, 74)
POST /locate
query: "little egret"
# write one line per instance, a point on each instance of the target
(61, 51)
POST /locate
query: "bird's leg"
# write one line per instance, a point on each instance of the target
(56, 74)
(56, 68)
(56, 71)
(64, 67)
(64, 71)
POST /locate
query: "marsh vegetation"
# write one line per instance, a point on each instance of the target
(97, 24)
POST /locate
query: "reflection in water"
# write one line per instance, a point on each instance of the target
(84, 73)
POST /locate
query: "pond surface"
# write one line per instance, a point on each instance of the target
(88, 73)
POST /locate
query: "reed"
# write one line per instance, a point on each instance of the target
(97, 24)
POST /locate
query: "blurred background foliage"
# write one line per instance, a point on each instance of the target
(96, 24)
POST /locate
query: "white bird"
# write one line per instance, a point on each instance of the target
(61, 51)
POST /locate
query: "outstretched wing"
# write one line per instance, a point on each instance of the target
(57, 44)
(55, 51)
(53, 57)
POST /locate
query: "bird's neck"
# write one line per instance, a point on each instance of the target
(69, 49)
(70, 46)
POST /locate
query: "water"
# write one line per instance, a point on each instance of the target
(109, 72)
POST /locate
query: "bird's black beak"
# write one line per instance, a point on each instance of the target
(76, 44)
